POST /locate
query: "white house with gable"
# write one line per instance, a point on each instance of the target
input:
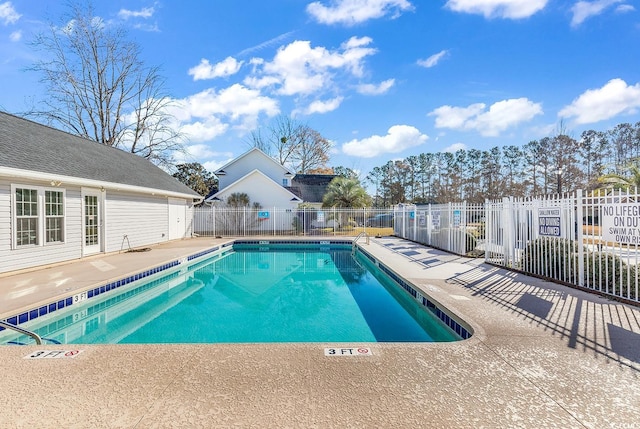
(261, 177)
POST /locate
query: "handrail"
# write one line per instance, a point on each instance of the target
(22, 331)
(362, 234)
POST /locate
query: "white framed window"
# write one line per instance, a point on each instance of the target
(285, 182)
(26, 214)
(53, 216)
(38, 215)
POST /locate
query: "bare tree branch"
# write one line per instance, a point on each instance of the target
(99, 88)
(294, 144)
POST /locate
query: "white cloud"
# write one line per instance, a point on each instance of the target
(16, 36)
(455, 147)
(212, 166)
(600, 104)
(490, 123)
(398, 138)
(319, 106)
(146, 12)
(456, 117)
(372, 89)
(210, 113)
(299, 69)
(586, 9)
(8, 14)
(259, 82)
(624, 8)
(512, 9)
(235, 101)
(200, 131)
(351, 12)
(198, 151)
(267, 44)
(147, 27)
(227, 67)
(433, 59)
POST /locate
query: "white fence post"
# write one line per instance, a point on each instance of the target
(507, 233)
(429, 224)
(579, 222)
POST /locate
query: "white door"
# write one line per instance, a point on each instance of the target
(92, 221)
(177, 215)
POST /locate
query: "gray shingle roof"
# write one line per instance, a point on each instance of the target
(311, 187)
(27, 145)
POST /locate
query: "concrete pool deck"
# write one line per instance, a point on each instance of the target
(542, 356)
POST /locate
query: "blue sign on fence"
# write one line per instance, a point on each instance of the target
(457, 216)
(263, 215)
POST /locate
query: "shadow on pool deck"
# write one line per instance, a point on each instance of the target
(613, 330)
(542, 355)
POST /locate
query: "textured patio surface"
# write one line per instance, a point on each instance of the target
(542, 356)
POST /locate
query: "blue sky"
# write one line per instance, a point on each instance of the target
(381, 79)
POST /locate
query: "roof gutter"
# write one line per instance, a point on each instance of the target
(58, 180)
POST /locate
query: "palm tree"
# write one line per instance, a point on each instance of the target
(616, 181)
(243, 215)
(344, 192)
(238, 199)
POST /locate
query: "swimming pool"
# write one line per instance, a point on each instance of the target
(254, 292)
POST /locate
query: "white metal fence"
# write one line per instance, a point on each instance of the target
(454, 227)
(215, 221)
(589, 241)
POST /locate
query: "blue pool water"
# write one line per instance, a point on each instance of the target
(248, 296)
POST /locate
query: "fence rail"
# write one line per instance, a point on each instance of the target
(589, 241)
(216, 221)
(454, 227)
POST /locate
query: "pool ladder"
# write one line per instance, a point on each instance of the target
(33, 335)
(362, 234)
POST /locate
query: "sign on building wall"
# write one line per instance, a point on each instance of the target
(621, 223)
(549, 222)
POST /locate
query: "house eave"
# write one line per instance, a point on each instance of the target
(59, 180)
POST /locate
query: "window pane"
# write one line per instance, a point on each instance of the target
(26, 231)
(26, 216)
(54, 216)
(91, 220)
(53, 203)
(54, 229)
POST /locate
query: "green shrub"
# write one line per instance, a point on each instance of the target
(471, 242)
(551, 257)
(557, 258)
(610, 274)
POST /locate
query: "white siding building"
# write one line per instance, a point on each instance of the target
(63, 197)
(256, 174)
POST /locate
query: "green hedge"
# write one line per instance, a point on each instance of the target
(557, 258)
